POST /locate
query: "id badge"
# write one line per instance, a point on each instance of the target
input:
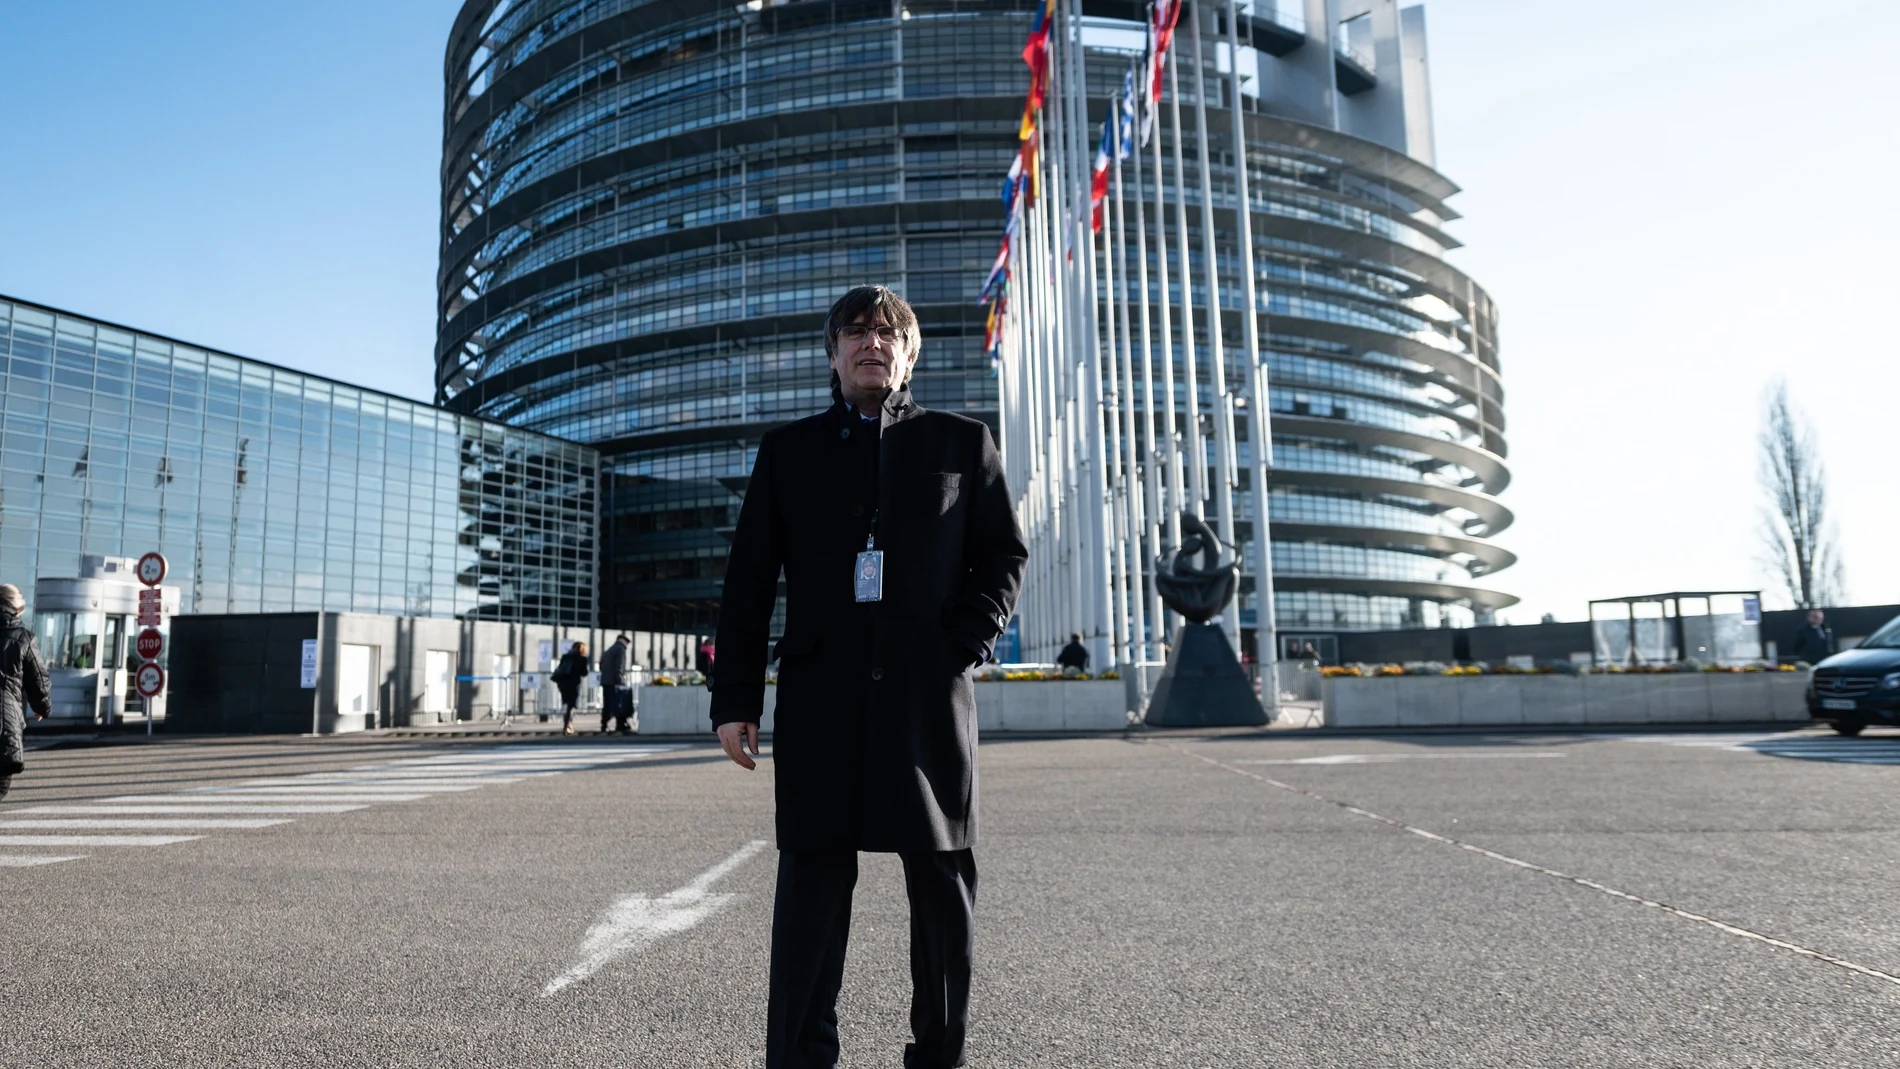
(870, 575)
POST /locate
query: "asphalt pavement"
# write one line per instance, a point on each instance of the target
(1192, 900)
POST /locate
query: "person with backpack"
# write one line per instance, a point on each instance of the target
(567, 678)
(24, 685)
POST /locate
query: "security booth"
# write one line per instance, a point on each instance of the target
(1701, 627)
(85, 627)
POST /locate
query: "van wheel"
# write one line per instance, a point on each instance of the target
(1848, 727)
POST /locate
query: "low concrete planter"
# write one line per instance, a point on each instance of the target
(1064, 705)
(1582, 700)
(1068, 705)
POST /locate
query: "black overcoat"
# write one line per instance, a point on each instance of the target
(24, 685)
(874, 740)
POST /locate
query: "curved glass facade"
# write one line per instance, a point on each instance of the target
(647, 210)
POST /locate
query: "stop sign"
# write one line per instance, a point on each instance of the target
(150, 644)
(150, 679)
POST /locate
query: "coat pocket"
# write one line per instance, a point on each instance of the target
(946, 487)
(795, 645)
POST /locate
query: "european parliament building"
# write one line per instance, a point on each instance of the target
(648, 205)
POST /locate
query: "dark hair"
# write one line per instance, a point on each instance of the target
(1075, 636)
(880, 299)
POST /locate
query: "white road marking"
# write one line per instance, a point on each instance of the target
(136, 823)
(209, 808)
(95, 840)
(1797, 745)
(1381, 758)
(636, 921)
(360, 790)
(212, 795)
(21, 861)
(1720, 926)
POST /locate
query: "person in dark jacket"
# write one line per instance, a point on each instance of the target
(902, 560)
(1074, 655)
(567, 677)
(23, 685)
(616, 697)
(1815, 643)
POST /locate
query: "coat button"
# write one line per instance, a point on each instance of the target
(857, 510)
(877, 673)
(844, 432)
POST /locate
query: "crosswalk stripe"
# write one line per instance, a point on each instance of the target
(268, 801)
(136, 823)
(95, 840)
(209, 808)
(366, 790)
(277, 794)
(430, 782)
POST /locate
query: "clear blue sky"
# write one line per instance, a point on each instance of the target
(1673, 203)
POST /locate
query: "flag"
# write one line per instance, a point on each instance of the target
(999, 272)
(1017, 182)
(1036, 55)
(1098, 178)
(1165, 14)
(990, 334)
(1125, 109)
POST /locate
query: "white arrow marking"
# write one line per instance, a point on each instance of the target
(637, 922)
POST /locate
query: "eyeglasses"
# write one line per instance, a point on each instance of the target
(858, 332)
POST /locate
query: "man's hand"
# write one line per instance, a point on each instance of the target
(737, 737)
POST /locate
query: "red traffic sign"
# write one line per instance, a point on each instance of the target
(151, 680)
(151, 569)
(150, 644)
(151, 597)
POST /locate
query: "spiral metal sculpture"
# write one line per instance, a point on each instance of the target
(1198, 592)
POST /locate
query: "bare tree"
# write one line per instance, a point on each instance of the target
(1795, 523)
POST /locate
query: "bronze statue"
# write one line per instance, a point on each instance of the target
(1197, 593)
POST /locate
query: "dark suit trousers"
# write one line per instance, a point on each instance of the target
(811, 923)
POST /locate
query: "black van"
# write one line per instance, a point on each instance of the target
(1861, 686)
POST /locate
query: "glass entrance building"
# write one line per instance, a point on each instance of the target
(271, 490)
(647, 208)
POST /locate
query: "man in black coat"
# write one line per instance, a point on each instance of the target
(1815, 643)
(902, 561)
(1074, 655)
(616, 697)
(23, 684)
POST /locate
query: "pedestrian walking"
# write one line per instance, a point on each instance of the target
(23, 685)
(1814, 643)
(616, 704)
(902, 561)
(703, 657)
(1074, 655)
(567, 677)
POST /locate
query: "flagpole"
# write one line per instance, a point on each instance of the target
(1157, 458)
(1094, 484)
(1113, 400)
(1196, 451)
(1222, 403)
(1260, 429)
(1125, 386)
(1171, 442)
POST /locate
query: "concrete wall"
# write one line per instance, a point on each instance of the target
(1091, 705)
(1564, 700)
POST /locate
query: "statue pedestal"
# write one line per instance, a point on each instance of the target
(1203, 685)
